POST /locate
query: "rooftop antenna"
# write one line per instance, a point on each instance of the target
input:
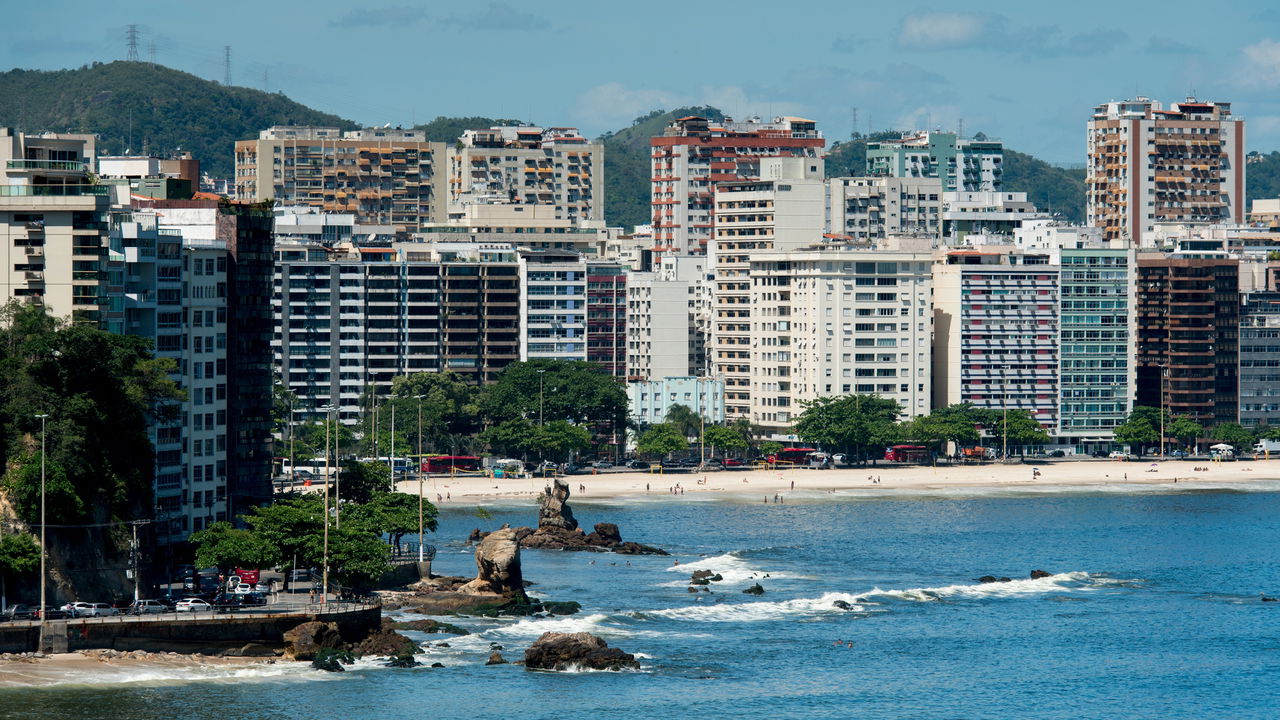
(226, 65)
(131, 36)
(853, 132)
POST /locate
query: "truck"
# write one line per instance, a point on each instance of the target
(1267, 447)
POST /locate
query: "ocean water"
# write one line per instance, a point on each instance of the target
(1153, 610)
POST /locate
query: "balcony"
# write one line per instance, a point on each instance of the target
(53, 190)
(48, 165)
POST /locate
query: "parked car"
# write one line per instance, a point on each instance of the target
(712, 465)
(1058, 453)
(193, 604)
(689, 462)
(1118, 455)
(1180, 454)
(87, 609)
(638, 465)
(147, 607)
(50, 613)
(253, 599)
(602, 464)
(300, 575)
(671, 464)
(20, 612)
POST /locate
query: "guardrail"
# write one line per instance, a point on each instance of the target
(302, 609)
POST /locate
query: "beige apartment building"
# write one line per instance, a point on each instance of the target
(1147, 165)
(53, 223)
(840, 320)
(874, 208)
(523, 165)
(783, 210)
(383, 176)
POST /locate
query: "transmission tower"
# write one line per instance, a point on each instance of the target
(151, 51)
(226, 65)
(131, 36)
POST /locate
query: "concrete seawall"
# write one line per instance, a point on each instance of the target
(203, 633)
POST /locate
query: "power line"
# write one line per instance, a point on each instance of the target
(131, 36)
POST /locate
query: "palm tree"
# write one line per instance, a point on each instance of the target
(685, 420)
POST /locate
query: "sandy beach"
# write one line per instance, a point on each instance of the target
(888, 479)
(94, 667)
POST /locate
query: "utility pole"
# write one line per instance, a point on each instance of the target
(391, 455)
(226, 65)
(1164, 369)
(131, 37)
(151, 51)
(44, 608)
(540, 372)
(337, 474)
(135, 561)
(325, 571)
(421, 557)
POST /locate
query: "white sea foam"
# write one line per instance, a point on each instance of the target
(733, 569)
(159, 675)
(867, 601)
(533, 627)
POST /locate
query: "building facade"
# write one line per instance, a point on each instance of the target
(694, 155)
(524, 165)
(1188, 325)
(383, 176)
(607, 317)
(830, 321)
(1148, 165)
(1260, 359)
(874, 208)
(650, 401)
(784, 211)
(961, 164)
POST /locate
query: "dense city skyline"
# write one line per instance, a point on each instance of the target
(899, 68)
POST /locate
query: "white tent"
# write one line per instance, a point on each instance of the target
(1221, 446)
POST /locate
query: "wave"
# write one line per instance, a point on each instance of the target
(732, 567)
(866, 602)
(533, 627)
(38, 674)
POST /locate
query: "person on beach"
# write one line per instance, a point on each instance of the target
(793, 484)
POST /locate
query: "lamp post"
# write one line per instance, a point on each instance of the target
(44, 610)
(324, 593)
(1164, 371)
(293, 460)
(421, 557)
(391, 452)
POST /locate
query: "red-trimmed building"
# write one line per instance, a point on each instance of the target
(694, 155)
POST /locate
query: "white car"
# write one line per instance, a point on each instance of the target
(86, 609)
(1120, 454)
(192, 605)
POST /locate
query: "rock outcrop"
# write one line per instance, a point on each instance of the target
(1037, 574)
(565, 651)
(305, 641)
(497, 566)
(756, 589)
(554, 511)
(993, 579)
(606, 538)
(386, 642)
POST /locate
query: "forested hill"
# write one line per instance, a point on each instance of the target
(143, 106)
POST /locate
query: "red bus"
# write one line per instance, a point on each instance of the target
(907, 453)
(451, 463)
(792, 456)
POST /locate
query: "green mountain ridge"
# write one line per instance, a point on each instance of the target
(147, 107)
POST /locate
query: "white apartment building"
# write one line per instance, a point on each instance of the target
(553, 305)
(1047, 234)
(962, 164)
(525, 165)
(1148, 165)
(305, 224)
(53, 223)
(874, 208)
(827, 321)
(985, 213)
(693, 156)
(530, 227)
(784, 210)
(668, 313)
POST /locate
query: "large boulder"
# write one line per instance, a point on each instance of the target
(551, 537)
(554, 510)
(1037, 574)
(304, 641)
(565, 651)
(497, 566)
(606, 535)
(385, 642)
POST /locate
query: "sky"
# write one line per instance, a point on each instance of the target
(1028, 73)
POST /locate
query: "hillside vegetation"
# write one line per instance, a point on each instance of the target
(143, 106)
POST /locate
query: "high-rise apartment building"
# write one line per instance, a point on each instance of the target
(985, 213)
(874, 208)
(553, 305)
(523, 165)
(607, 317)
(1260, 359)
(668, 315)
(996, 331)
(53, 223)
(784, 210)
(961, 164)
(840, 320)
(1148, 165)
(383, 176)
(1188, 324)
(694, 155)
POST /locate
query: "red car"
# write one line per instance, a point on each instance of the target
(732, 462)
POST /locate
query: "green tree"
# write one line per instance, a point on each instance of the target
(225, 547)
(393, 514)
(684, 420)
(62, 502)
(723, 439)
(19, 555)
(511, 437)
(360, 482)
(1023, 429)
(559, 439)
(770, 447)
(661, 440)
(295, 527)
(858, 424)
(1141, 429)
(577, 392)
(957, 423)
(1233, 434)
(1183, 429)
(310, 438)
(449, 409)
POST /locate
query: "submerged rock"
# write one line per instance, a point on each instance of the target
(432, 626)
(495, 658)
(332, 660)
(756, 589)
(843, 605)
(563, 651)
(1037, 574)
(993, 579)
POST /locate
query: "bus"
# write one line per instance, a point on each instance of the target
(792, 456)
(907, 454)
(451, 463)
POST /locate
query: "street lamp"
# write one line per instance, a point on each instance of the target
(325, 571)
(1164, 372)
(421, 556)
(44, 608)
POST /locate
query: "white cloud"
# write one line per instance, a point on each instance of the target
(943, 30)
(1262, 61)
